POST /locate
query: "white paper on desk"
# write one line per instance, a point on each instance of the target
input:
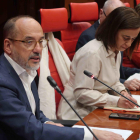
(125, 133)
(137, 97)
(134, 76)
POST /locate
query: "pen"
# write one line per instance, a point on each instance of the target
(128, 91)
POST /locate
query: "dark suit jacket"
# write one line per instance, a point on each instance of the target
(125, 72)
(88, 35)
(17, 121)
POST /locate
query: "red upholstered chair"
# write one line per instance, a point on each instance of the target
(80, 13)
(127, 4)
(137, 2)
(54, 20)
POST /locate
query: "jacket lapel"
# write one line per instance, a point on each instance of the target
(35, 94)
(6, 65)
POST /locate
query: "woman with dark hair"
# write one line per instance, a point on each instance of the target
(101, 56)
(134, 61)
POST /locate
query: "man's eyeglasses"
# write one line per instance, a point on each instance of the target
(104, 12)
(30, 44)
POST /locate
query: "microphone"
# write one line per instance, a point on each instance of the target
(54, 85)
(89, 74)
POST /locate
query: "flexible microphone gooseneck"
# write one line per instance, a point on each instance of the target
(54, 85)
(89, 74)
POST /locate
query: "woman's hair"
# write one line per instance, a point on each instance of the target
(120, 18)
(137, 8)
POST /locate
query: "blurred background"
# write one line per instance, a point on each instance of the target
(11, 8)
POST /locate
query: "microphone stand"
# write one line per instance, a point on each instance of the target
(92, 77)
(54, 85)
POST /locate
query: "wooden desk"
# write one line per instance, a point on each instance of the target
(100, 118)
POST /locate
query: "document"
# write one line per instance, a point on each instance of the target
(137, 97)
(134, 76)
(124, 133)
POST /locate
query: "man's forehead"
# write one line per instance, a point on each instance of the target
(23, 22)
(28, 26)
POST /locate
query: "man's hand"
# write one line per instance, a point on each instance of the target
(132, 84)
(52, 123)
(124, 103)
(106, 135)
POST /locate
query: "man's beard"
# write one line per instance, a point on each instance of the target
(18, 59)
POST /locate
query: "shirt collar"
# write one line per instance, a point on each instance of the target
(19, 70)
(110, 52)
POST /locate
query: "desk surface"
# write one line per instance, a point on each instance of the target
(100, 118)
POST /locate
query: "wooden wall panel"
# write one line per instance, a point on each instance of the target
(11, 8)
(131, 2)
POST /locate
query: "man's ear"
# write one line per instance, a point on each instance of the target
(101, 12)
(7, 46)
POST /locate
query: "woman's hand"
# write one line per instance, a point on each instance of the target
(124, 103)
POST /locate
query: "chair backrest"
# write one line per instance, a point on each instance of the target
(54, 20)
(79, 14)
(127, 4)
(137, 2)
